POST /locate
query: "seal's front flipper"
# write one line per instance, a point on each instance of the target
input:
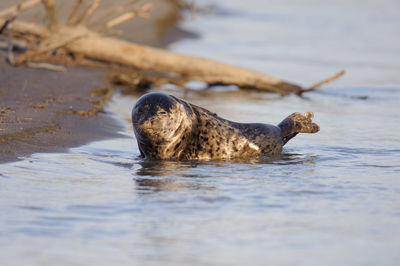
(297, 123)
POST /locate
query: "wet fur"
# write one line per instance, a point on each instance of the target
(169, 128)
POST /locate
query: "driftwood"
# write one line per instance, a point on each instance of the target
(81, 37)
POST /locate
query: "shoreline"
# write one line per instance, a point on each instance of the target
(60, 111)
(47, 111)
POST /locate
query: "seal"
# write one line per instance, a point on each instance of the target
(167, 127)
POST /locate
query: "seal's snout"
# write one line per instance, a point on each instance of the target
(139, 115)
(142, 117)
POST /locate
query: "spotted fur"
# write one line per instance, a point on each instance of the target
(169, 128)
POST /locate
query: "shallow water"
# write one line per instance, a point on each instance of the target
(332, 198)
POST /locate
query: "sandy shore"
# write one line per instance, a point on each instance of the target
(47, 111)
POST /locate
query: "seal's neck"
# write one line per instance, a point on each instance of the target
(287, 130)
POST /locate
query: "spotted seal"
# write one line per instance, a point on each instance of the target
(167, 127)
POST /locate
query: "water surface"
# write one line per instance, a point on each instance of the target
(332, 198)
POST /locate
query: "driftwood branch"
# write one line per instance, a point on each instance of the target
(14, 10)
(88, 12)
(79, 40)
(29, 29)
(8, 24)
(50, 45)
(112, 12)
(319, 84)
(46, 66)
(51, 13)
(195, 68)
(74, 12)
(125, 17)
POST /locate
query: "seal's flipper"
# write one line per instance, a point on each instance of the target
(297, 123)
(304, 124)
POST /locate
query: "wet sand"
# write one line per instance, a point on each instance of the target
(47, 111)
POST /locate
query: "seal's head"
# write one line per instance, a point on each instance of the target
(159, 120)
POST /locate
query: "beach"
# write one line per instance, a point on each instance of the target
(47, 111)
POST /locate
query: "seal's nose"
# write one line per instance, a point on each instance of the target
(139, 113)
(141, 119)
(141, 116)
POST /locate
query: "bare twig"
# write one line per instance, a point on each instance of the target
(74, 12)
(14, 10)
(112, 12)
(126, 16)
(51, 13)
(118, 20)
(88, 12)
(319, 84)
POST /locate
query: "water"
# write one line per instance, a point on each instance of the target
(330, 199)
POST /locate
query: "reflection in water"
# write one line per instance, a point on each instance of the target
(158, 175)
(164, 167)
(164, 175)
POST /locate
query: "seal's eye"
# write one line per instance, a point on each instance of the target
(162, 112)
